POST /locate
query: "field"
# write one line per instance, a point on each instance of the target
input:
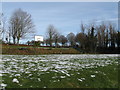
(30, 50)
(60, 71)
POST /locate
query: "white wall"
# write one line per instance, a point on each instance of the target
(39, 38)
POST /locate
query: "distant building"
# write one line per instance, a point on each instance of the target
(39, 38)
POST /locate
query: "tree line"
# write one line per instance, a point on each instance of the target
(89, 38)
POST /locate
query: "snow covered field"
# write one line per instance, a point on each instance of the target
(41, 70)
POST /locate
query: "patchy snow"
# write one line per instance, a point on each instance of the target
(16, 65)
(62, 76)
(15, 80)
(93, 76)
(3, 85)
(17, 75)
(39, 79)
(0, 75)
(81, 79)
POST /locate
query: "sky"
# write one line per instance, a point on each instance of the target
(65, 16)
(60, 0)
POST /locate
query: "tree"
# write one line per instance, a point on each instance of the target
(93, 39)
(9, 34)
(102, 29)
(118, 39)
(20, 24)
(81, 39)
(82, 28)
(112, 35)
(71, 38)
(56, 37)
(63, 40)
(46, 41)
(28, 42)
(50, 34)
(2, 26)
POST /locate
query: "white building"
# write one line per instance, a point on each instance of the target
(39, 38)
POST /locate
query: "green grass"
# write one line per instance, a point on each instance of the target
(105, 76)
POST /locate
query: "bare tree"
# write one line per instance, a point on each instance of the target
(112, 35)
(102, 29)
(20, 24)
(56, 37)
(82, 28)
(9, 33)
(2, 26)
(63, 40)
(71, 38)
(50, 34)
(81, 39)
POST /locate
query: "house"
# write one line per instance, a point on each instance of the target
(39, 38)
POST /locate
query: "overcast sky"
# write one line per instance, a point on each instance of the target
(65, 16)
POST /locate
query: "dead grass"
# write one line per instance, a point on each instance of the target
(14, 50)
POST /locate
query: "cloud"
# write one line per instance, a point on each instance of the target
(107, 20)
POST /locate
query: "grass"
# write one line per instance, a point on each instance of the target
(106, 78)
(30, 50)
(61, 71)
